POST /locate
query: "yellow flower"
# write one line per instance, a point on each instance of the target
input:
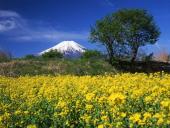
(78, 102)
(102, 99)
(135, 118)
(89, 107)
(104, 118)
(117, 98)
(146, 116)
(26, 112)
(168, 122)
(17, 112)
(100, 126)
(32, 126)
(118, 124)
(86, 118)
(122, 114)
(61, 104)
(165, 103)
(96, 101)
(160, 121)
(158, 115)
(90, 96)
(148, 99)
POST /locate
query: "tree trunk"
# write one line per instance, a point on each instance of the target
(110, 53)
(111, 56)
(134, 54)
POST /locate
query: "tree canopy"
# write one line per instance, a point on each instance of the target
(125, 31)
(107, 31)
(140, 28)
(91, 54)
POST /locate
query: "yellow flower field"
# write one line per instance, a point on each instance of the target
(123, 100)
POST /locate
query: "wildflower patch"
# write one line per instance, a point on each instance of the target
(122, 100)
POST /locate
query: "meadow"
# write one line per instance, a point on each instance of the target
(16, 68)
(121, 100)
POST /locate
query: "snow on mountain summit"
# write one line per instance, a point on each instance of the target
(68, 49)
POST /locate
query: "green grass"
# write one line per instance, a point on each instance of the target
(32, 67)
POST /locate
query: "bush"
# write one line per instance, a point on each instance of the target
(5, 56)
(29, 57)
(91, 54)
(52, 54)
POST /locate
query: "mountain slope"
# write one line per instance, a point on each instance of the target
(68, 49)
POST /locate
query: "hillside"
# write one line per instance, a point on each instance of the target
(16, 68)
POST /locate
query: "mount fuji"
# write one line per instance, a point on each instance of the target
(68, 49)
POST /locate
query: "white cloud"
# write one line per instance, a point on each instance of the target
(9, 20)
(6, 25)
(25, 31)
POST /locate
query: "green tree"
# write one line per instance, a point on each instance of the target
(52, 54)
(91, 54)
(140, 29)
(125, 30)
(108, 31)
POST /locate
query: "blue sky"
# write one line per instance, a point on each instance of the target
(30, 26)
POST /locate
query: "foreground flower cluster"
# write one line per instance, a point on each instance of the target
(123, 100)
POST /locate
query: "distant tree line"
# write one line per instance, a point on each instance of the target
(54, 54)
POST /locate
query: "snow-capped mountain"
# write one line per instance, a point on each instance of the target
(68, 49)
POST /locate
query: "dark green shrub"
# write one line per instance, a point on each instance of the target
(52, 54)
(29, 57)
(91, 54)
